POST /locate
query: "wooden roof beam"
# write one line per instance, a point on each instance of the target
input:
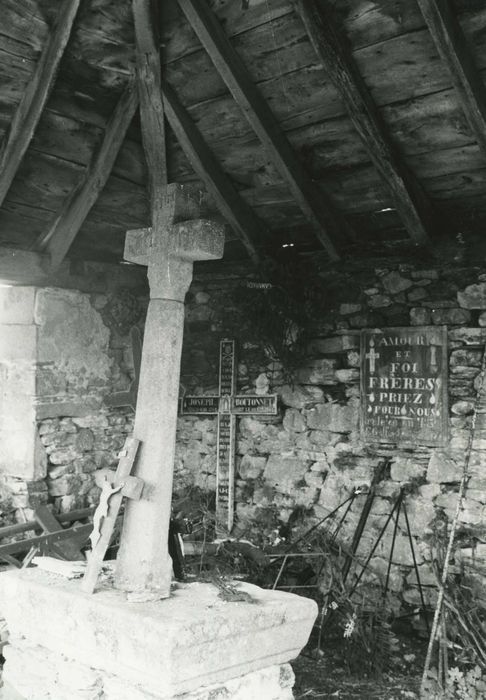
(29, 109)
(452, 47)
(57, 241)
(147, 52)
(326, 220)
(410, 200)
(233, 207)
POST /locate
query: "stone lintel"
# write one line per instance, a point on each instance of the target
(188, 641)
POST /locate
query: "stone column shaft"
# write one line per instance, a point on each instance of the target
(143, 559)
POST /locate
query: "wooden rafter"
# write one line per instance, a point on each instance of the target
(151, 104)
(326, 221)
(233, 207)
(57, 241)
(452, 47)
(410, 200)
(29, 110)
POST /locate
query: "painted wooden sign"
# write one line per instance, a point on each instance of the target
(227, 405)
(404, 385)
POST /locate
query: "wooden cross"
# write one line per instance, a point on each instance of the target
(372, 356)
(227, 405)
(105, 516)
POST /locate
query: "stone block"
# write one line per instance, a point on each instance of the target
(17, 305)
(251, 466)
(294, 420)
(167, 647)
(420, 316)
(299, 396)
(450, 317)
(420, 513)
(347, 376)
(417, 294)
(379, 301)
(424, 275)
(467, 336)
(334, 345)
(465, 357)
(444, 468)
(73, 336)
(18, 343)
(283, 473)
(334, 417)
(462, 408)
(318, 372)
(394, 283)
(402, 553)
(345, 309)
(406, 468)
(473, 296)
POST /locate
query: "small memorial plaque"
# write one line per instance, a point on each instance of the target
(404, 385)
(200, 404)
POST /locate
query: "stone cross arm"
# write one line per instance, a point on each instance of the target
(198, 239)
(169, 253)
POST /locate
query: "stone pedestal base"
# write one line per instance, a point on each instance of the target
(67, 645)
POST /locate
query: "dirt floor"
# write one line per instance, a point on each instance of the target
(327, 674)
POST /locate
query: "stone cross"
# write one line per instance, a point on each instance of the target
(226, 406)
(143, 565)
(372, 356)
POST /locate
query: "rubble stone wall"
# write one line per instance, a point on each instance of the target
(295, 468)
(59, 431)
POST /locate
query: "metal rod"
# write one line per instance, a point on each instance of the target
(392, 549)
(372, 551)
(282, 567)
(363, 518)
(329, 515)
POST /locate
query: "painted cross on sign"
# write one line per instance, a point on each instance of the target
(227, 405)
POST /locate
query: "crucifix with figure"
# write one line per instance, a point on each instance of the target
(227, 405)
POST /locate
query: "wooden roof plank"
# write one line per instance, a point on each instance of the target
(34, 98)
(238, 214)
(151, 105)
(410, 199)
(452, 47)
(312, 200)
(62, 233)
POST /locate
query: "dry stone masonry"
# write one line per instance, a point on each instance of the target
(61, 352)
(309, 459)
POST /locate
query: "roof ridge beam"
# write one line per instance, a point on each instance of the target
(149, 80)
